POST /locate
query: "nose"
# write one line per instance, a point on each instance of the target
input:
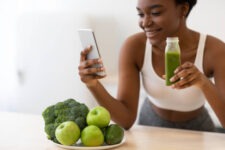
(147, 21)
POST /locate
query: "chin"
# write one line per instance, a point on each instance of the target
(157, 41)
(154, 41)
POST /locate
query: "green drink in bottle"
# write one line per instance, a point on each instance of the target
(172, 57)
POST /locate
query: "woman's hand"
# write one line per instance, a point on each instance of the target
(86, 70)
(188, 75)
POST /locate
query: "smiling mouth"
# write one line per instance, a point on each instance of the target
(152, 33)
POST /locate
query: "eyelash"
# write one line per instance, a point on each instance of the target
(156, 14)
(141, 15)
(153, 14)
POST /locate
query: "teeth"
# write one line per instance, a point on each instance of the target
(152, 32)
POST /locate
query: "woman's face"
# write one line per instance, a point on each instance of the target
(159, 19)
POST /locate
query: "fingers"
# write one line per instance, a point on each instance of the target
(84, 53)
(186, 75)
(184, 82)
(90, 67)
(87, 78)
(186, 65)
(88, 63)
(182, 73)
(90, 75)
(90, 70)
(86, 66)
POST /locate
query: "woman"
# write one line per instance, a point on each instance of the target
(180, 105)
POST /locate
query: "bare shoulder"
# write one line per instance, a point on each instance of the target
(214, 52)
(213, 42)
(134, 48)
(215, 47)
(135, 39)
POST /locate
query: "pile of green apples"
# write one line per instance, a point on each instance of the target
(98, 131)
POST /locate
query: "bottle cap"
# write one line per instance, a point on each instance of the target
(172, 39)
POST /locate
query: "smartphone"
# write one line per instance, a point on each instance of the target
(87, 38)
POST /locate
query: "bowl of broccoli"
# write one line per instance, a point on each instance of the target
(67, 110)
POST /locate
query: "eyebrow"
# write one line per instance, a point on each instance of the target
(152, 6)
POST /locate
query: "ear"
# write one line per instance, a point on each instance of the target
(184, 9)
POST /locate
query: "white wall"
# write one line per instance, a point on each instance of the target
(39, 47)
(44, 48)
(209, 17)
(7, 53)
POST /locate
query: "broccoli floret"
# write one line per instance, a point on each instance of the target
(68, 110)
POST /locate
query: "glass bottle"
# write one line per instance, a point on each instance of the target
(172, 57)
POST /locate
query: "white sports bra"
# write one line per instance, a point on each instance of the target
(165, 97)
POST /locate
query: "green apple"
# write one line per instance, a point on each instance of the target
(92, 136)
(98, 116)
(67, 133)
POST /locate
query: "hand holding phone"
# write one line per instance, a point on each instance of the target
(87, 38)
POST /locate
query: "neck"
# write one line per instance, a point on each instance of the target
(188, 39)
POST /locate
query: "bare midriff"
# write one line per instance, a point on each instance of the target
(177, 116)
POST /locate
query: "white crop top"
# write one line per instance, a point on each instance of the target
(163, 96)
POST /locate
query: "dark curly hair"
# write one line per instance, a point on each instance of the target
(190, 2)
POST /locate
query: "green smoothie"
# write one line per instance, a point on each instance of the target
(172, 59)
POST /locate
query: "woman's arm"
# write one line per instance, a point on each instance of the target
(123, 109)
(215, 93)
(214, 66)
